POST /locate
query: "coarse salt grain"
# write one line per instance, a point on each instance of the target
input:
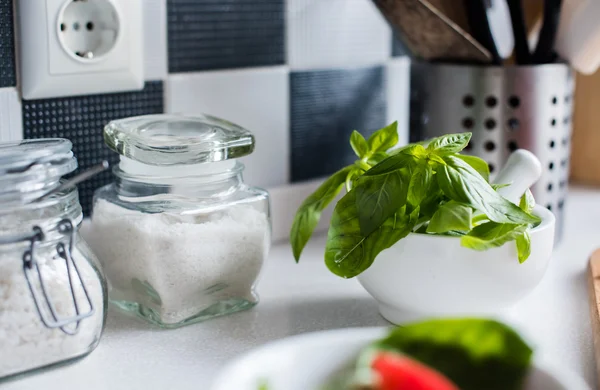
(25, 342)
(179, 265)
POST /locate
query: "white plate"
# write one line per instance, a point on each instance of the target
(306, 361)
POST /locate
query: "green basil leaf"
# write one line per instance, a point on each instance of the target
(491, 235)
(422, 229)
(403, 159)
(432, 201)
(379, 197)
(420, 184)
(460, 182)
(383, 139)
(449, 144)
(527, 202)
(403, 149)
(451, 216)
(348, 252)
(432, 157)
(453, 233)
(416, 150)
(308, 215)
(524, 246)
(474, 354)
(478, 164)
(496, 187)
(352, 176)
(359, 144)
(378, 157)
(479, 219)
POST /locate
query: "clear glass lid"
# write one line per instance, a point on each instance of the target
(31, 167)
(178, 140)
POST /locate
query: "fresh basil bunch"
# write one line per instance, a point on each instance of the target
(426, 187)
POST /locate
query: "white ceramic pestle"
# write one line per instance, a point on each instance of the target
(521, 171)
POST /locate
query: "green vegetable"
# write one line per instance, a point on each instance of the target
(496, 187)
(449, 144)
(432, 201)
(359, 144)
(451, 216)
(425, 187)
(370, 152)
(404, 158)
(475, 354)
(492, 234)
(420, 184)
(376, 158)
(379, 197)
(527, 204)
(355, 173)
(384, 139)
(523, 246)
(462, 183)
(481, 167)
(309, 213)
(348, 251)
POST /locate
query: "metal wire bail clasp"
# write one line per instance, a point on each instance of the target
(41, 297)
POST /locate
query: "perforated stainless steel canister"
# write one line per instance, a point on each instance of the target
(506, 108)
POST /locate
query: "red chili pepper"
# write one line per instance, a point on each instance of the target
(398, 372)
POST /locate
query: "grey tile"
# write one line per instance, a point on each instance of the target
(7, 45)
(326, 105)
(217, 34)
(82, 118)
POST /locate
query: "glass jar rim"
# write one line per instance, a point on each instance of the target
(30, 168)
(61, 205)
(168, 139)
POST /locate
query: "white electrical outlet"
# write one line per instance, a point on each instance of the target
(77, 47)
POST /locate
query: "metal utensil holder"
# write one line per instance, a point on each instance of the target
(506, 108)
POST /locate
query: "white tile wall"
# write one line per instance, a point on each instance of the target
(335, 33)
(255, 98)
(398, 92)
(11, 125)
(155, 40)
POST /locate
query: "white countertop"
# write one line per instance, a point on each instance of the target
(307, 297)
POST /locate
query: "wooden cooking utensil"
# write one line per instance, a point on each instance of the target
(594, 295)
(453, 10)
(429, 34)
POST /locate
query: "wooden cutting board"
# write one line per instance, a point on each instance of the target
(594, 292)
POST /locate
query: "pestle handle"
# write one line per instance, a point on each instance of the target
(521, 171)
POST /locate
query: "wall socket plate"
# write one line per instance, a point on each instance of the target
(79, 47)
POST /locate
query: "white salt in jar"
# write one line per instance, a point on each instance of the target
(52, 291)
(180, 236)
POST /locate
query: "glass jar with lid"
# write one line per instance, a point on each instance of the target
(180, 236)
(52, 291)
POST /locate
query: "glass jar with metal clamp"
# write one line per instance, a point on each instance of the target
(52, 290)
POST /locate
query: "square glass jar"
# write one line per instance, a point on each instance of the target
(180, 235)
